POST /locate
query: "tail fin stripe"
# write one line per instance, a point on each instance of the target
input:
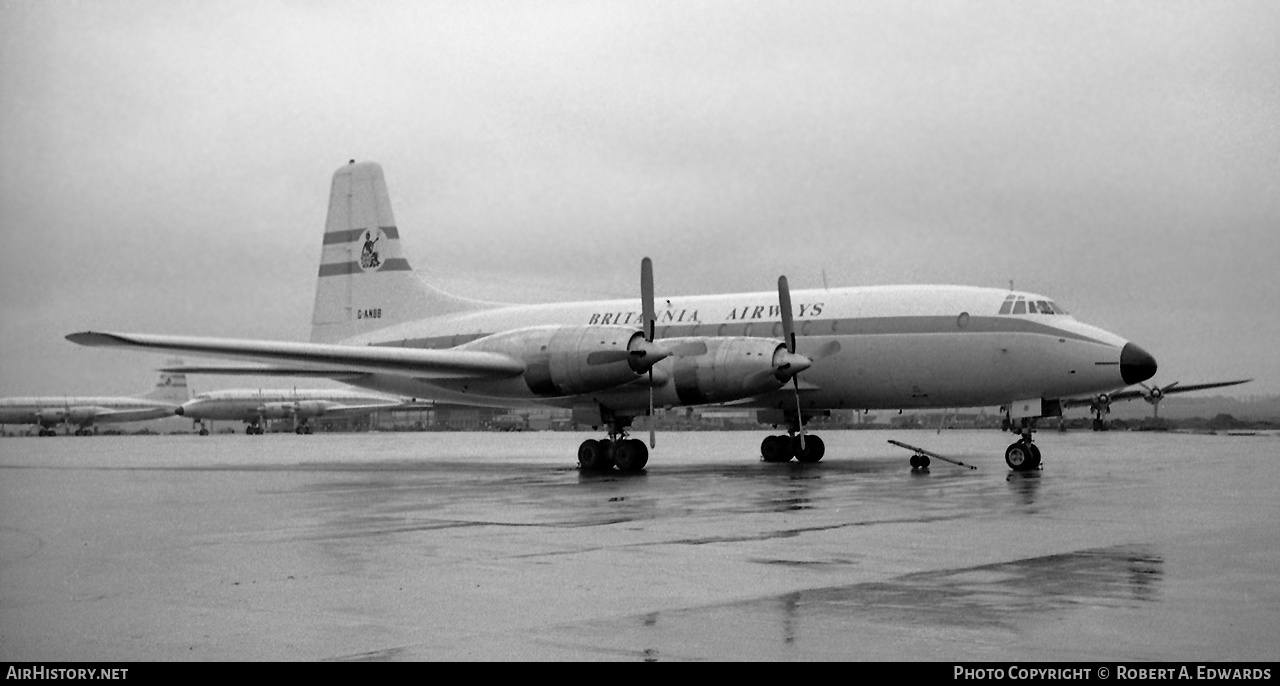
(340, 237)
(395, 264)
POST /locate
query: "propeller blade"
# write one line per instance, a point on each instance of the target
(788, 326)
(653, 441)
(648, 312)
(650, 316)
(795, 380)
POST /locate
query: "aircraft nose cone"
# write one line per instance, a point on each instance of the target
(1136, 364)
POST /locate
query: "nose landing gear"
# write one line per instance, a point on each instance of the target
(1023, 455)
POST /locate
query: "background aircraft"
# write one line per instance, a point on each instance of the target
(1100, 404)
(376, 325)
(85, 411)
(254, 407)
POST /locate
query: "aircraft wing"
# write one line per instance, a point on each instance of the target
(356, 410)
(1171, 389)
(322, 357)
(1185, 388)
(104, 414)
(335, 374)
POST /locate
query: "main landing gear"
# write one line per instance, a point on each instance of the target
(1023, 455)
(254, 430)
(627, 454)
(783, 447)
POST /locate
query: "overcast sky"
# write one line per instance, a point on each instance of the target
(166, 165)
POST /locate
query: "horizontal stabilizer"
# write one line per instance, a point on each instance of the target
(426, 364)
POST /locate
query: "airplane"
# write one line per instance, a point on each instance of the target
(1100, 404)
(378, 326)
(85, 411)
(254, 407)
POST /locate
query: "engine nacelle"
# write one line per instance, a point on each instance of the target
(570, 360)
(723, 369)
(51, 415)
(277, 410)
(80, 415)
(310, 408)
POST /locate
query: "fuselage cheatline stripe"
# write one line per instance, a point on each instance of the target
(821, 328)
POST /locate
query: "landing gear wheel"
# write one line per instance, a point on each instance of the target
(204, 432)
(1022, 457)
(813, 450)
(1035, 457)
(776, 449)
(595, 455)
(920, 462)
(631, 455)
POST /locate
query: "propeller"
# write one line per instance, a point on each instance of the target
(1101, 404)
(1155, 394)
(649, 316)
(791, 364)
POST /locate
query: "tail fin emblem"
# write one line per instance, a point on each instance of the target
(369, 258)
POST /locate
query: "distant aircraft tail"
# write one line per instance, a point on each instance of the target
(171, 388)
(365, 282)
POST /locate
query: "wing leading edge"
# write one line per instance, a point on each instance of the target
(322, 358)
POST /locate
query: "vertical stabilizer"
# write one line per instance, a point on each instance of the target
(365, 282)
(171, 388)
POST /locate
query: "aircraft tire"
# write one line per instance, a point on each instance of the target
(595, 455)
(813, 451)
(776, 449)
(1019, 456)
(1035, 457)
(631, 455)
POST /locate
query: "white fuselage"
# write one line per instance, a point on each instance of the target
(254, 405)
(81, 410)
(875, 347)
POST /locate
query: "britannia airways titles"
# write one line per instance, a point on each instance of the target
(681, 316)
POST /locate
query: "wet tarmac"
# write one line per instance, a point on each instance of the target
(453, 546)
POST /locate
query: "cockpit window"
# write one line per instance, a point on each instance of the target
(1018, 304)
